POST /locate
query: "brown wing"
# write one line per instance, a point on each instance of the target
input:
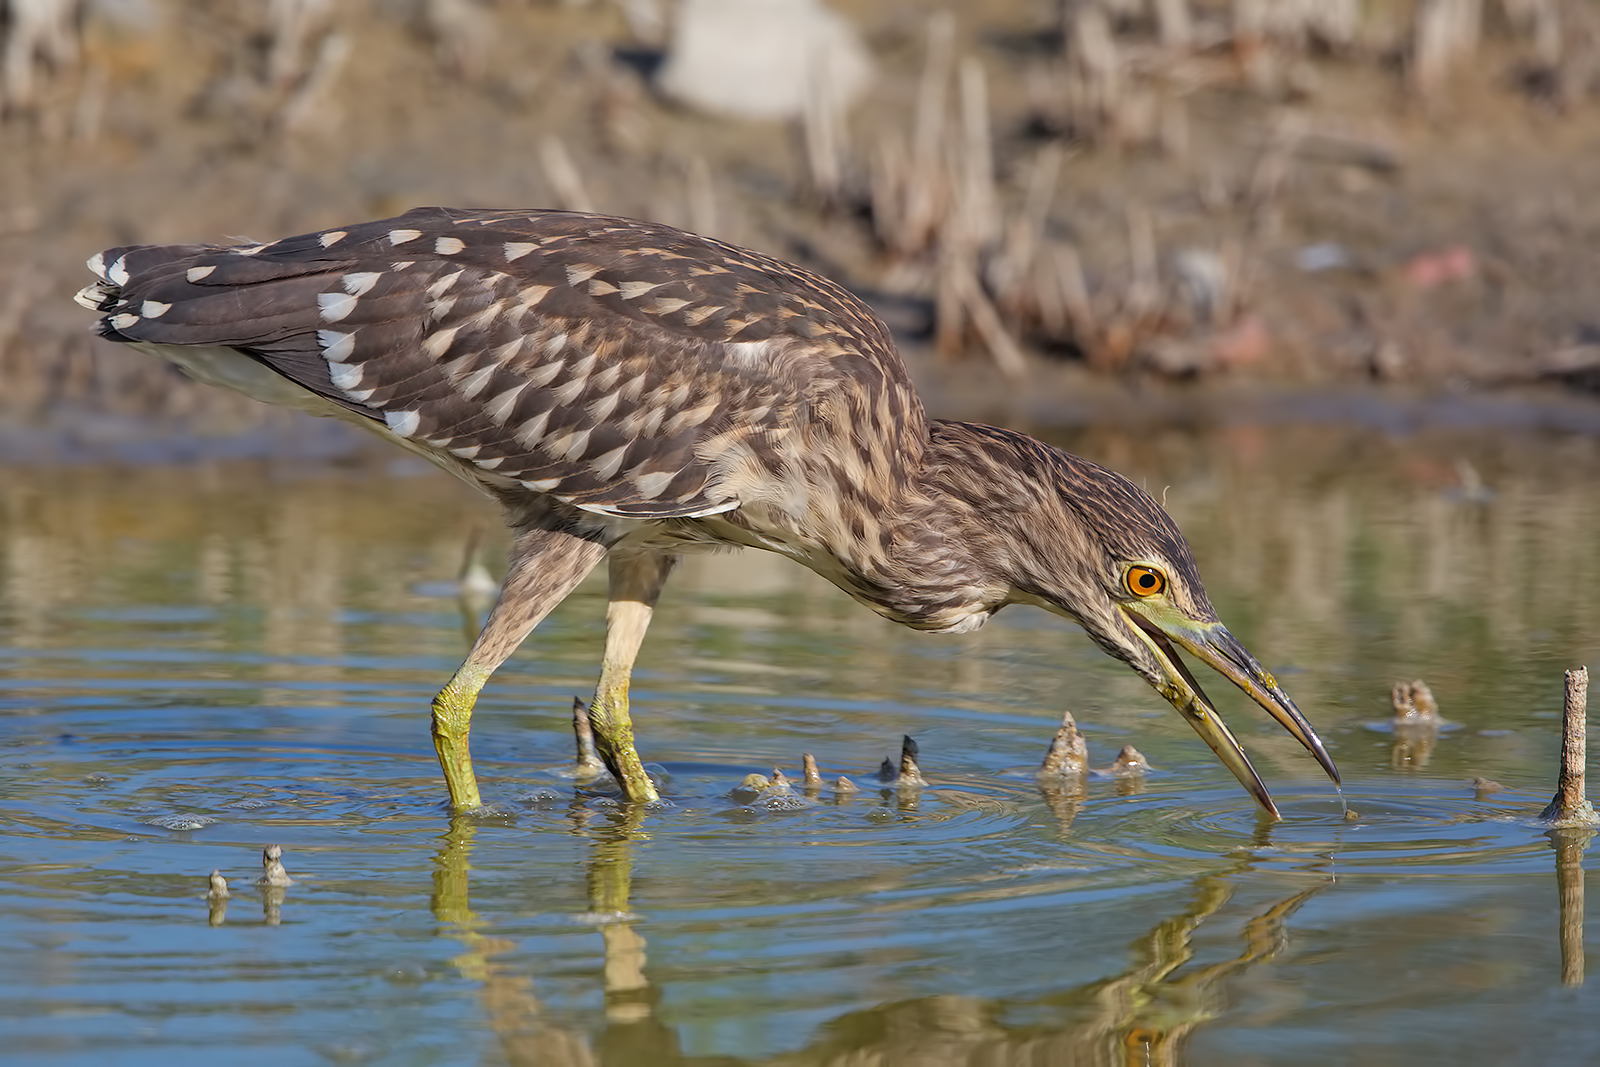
(630, 368)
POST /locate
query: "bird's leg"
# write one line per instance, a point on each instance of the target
(636, 581)
(545, 566)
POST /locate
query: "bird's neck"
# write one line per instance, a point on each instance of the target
(948, 547)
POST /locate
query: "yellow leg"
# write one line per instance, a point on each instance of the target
(546, 565)
(636, 581)
(452, 722)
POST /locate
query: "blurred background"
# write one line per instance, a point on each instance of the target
(1047, 199)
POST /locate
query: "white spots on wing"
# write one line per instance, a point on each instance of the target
(337, 346)
(360, 282)
(665, 305)
(634, 290)
(685, 418)
(333, 237)
(460, 367)
(607, 377)
(485, 318)
(555, 344)
(476, 382)
(402, 264)
(335, 306)
(568, 391)
(438, 309)
(749, 353)
(606, 466)
(696, 316)
(125, 321)
(248, 250)
(633, 388)
(515, 250)
(651, 484)
(196, 274)
(346, 376)
(545, 373)
(466, 451)
(542, 485)
(530, 432)
(448, 246)
(578, 273)
(490, 462)
(117, 273)
(437, 343)
(442, 285)
(404, 423)
(569, 445)
(582, 368)
(601, 409)
(674, 399)
(601, 287)
(154, 309)
(530, 296)
(643, 421)
(97, 264)
(510, 350)
(93, 296)
(499, 409)
(400, 237)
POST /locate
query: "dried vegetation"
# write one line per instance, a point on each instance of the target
(1176, 188)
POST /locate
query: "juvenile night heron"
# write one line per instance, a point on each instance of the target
(631, 391)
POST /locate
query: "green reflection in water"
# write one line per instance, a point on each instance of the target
(197, 661)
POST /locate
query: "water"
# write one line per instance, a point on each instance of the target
(198, 661)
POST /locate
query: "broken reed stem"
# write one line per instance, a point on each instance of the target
(1570, 807)
(1068, 754)
(909, 773)
(813, 777)
(588, 758)
(571, 194)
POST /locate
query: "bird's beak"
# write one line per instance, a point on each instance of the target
(1158, 626)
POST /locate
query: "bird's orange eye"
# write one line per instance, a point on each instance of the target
(1144, 581)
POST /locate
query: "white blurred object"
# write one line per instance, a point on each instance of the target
(761, 58)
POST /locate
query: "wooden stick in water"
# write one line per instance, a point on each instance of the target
(1570, 807)
(588, 760)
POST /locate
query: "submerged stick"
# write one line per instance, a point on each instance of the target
(813, 777)
(907, 773)
(1570, 807)
(1069, 751)
(910, 773)
(273, 874)
(588, 759)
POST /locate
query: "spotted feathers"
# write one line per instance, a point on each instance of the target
(626, 368)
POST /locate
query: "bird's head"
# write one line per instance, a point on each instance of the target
(1105, 554)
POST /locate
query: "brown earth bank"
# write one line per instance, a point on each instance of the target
(1067, 211)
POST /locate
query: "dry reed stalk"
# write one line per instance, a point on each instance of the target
(701, 196)
(566, 183)
(980, 311)
(1570, 807)
(926, 191)
(820, 128)
(309, 98)
(1174, 24)
(1094, 82)
(978, 206)
(1444, 34)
